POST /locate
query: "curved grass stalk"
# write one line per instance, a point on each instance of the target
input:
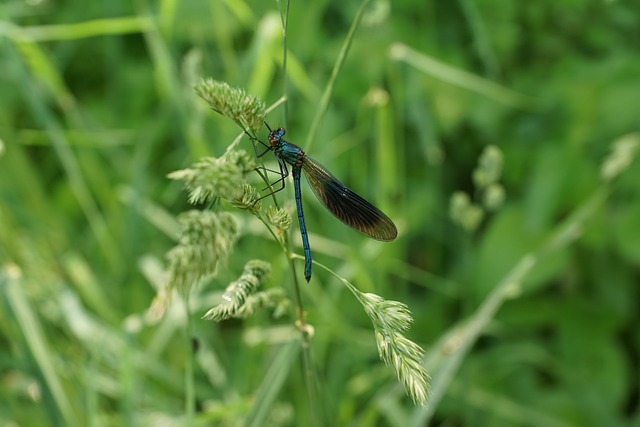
(328, 90)
(462, 78)
(464, 336)
(390, 320)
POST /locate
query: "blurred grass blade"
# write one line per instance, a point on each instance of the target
(85, 280)
(150, 211)
(167, 16)
(69, 161)
(481, 40)
(300, 78)
(272, 382)
(79, 30)
(388, 150)
(328, 90)
(13, 289)
(511, 412)
(460, 78)
(264, 45)
(464, 337)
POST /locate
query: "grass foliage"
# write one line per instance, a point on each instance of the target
(501, 137)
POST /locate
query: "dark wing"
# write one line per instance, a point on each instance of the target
(346, 205)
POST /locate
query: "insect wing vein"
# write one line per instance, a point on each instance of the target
(346, 205)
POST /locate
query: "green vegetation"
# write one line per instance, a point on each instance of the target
(500, 137)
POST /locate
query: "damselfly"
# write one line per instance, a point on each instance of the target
(344, 204)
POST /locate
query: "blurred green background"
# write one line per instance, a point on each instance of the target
(97, 107)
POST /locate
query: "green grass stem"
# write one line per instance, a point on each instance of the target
(461, 78)
(323, 106)
(13, 287)
(465, 335)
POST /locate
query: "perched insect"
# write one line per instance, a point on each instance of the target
(341, 201)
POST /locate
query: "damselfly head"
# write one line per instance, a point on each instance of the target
(275, 136)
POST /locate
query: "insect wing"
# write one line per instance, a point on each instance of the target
(346, 205)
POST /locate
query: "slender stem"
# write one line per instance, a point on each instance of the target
(12, 289)
(309, 373)
(326, 95)
(480, 38)
(190, 397)
(463, 79)
(308, 368)
(284, 17)
(348, 284)
(565, 234)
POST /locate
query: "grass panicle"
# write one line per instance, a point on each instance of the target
(493, 197)
(279, 218)
(464, 212)
(623, 152)
(390, 319)
(489, 168)
(272, 299)
(212, 177)
(486, 176)
(249, 199)
(206, 238)
(238, 292)
(248, 111)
